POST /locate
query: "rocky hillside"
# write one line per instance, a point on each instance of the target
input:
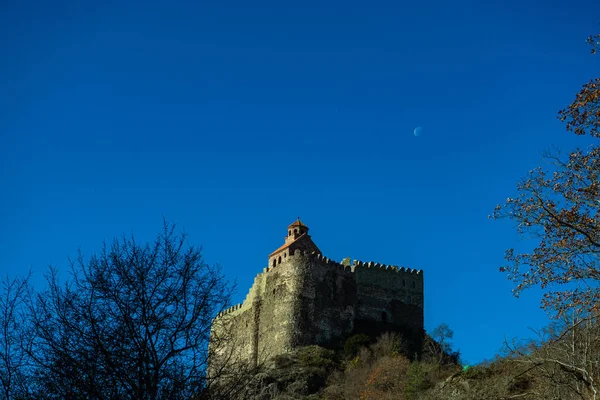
(379, 370)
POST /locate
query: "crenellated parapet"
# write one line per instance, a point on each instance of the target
(417, 273)
(398, 275)
(313, 256)
(321, 259)
(257, 289)
(391, 281)
(230, 310)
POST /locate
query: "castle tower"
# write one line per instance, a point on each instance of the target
(297, 239)
(295, 230)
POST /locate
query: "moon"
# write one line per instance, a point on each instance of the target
(418, 130)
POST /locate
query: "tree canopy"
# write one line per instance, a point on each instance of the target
(561, 208)
(132, 322)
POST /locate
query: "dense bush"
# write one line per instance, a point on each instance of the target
(316, 356)
(416, 380)
(354, 343)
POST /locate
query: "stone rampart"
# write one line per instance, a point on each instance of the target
(307, 298)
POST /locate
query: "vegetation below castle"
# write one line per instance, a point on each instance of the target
(538, 370)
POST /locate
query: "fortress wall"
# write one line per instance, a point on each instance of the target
(277, 309)
(327, 301)
(306, 299)
(388, 295)
(237, 328)
(309, 299)
(262, 325)
(228, 343)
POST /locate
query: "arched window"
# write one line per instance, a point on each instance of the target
(274, 262)
(384, 316)
(295, 230)
(279, 262)
(289, 233)
(284, 255)
(403, 283)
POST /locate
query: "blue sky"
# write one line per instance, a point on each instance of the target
(233, 118)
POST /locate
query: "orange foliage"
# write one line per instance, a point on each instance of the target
(561, 208)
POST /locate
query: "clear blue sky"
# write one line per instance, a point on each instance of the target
(234, 118)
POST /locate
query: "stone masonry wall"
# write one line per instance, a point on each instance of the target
(309, 299)
(327, 302)
(389, 298)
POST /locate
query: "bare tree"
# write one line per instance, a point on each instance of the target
(565, 358)
(438, 346)
(14, 362)
(133, 322)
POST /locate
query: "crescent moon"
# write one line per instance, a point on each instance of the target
(417, 131)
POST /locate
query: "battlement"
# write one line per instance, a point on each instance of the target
(230, 309)
(365, 267)
(356, 264)
(318, 257)
(388, 268)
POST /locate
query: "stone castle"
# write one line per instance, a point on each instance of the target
(303, 298)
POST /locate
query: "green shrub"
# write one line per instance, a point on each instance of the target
(416, 381)
(388, 344)
(477, 372)
(354, 343)
(315, 356)
(283, 360)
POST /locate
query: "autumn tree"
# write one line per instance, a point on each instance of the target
(132, 322)
(560, 207)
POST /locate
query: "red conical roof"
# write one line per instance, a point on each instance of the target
(297, 223)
